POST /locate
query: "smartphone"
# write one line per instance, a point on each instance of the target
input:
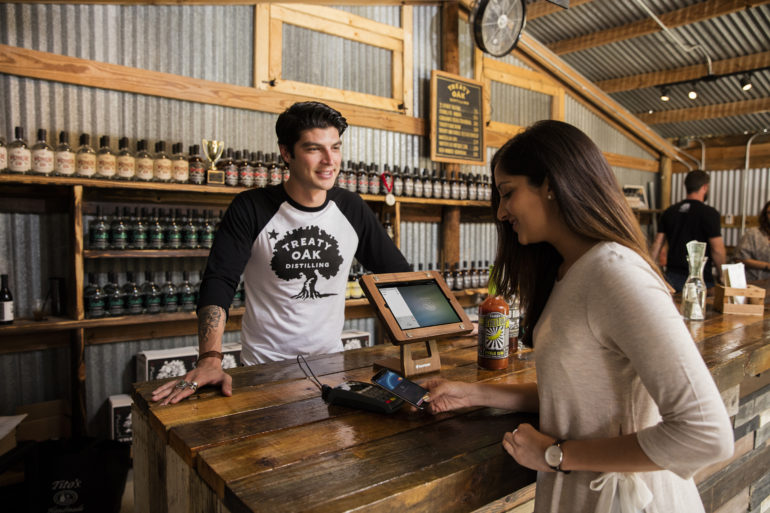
(401, 387)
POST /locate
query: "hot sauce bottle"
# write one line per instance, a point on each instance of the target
(493, 331)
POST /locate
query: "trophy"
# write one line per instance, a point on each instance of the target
(213, 150)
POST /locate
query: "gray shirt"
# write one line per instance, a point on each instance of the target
(614, 357)
(754, 245)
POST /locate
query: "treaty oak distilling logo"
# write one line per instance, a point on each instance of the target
(307, 253)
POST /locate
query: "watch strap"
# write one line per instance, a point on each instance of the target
(210, 354)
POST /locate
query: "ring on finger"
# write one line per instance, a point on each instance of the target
(514, 432)
(182, 385)
(193, 386)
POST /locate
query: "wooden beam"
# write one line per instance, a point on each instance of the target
(688, 15)
(732, 157)
(722, 110)
(542, 8)
(654, 78)
(72, 70)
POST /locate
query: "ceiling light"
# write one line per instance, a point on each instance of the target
(692, 93)
(746, 82)
(664, 97)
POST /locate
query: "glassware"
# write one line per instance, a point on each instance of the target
(694, 291)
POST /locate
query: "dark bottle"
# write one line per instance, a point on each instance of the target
(6, 301)
(189, 232)
(389, 226)
(99, 231)
(274, 171)
(352, 180)
(151, 296)
(169, 300)
(173, 231)
(186, 294)
(245, 170)
(138, 233)
(132, 296)
(118, 231)
(3, 155)
(116, 305)
(362, 179)
(374, 178)
(228, 165)
(206, 233)
(196, 166)
(155, 232)
(93, 299)
(285, 172)
(260, 171)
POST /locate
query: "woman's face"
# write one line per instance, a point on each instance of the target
(524, 206)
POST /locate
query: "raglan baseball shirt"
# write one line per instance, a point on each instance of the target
(295, 262)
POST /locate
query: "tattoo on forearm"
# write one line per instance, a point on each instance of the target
(209, 320)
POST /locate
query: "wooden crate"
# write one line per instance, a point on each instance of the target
(755, 300)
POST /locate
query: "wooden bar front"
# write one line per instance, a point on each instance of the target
(276, 446)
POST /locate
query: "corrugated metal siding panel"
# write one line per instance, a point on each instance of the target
(517, 106)
(420, 243)
(478, 243)
(426, 55)
(34, 376)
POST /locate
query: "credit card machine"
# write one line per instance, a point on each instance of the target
(364, 396)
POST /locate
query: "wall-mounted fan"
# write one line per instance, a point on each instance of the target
(497, 25)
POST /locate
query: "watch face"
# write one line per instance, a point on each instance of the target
(553, 456)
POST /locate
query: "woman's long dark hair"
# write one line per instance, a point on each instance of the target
(590, 202)
(764, 224)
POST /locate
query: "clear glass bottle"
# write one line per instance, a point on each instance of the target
(694, 291)
(180, 166)
(156, 237)
(169, 300)
(19, 154)
(42, 155)
(186, 294)
(106, 161)
(118, 231)
(138, 236)
(206, 232)
(85, 158)
(472, 187)
(161, 165)
(64, 158)
(446, 187)
(115, 299)
(388, 225)
(144, 162)
(189, 232)
(6, 301)
(126, 161)
(173, 231)
(419, 186)
(93, 299)
(99, 231)
(151, 295)
(196, 167)
(133, 300)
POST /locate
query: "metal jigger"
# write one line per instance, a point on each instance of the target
(213, 150)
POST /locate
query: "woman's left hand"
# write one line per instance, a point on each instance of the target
(527, 445)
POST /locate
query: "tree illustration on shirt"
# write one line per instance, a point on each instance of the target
(307, 253)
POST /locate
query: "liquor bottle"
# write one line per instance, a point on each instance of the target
(144, 162)
(454, 186)
(6, 301)
(493, 331)
(206, 232)
(408, 182)
(132, 296)
(186, 294)
(169, 301)
(487, 189)
(189, 231)
(357, 292)
(274, 171)
(93, 299)
(161, 164)
(459, 277)
(514, 318)
(245, 171)
(446, 188)
(180, 167)
(196, 166)
(398, 181)
(156, 239)
(173, 236)
(284, 170)
(99, 231)
(362, 179)
(463, 186)
(64, 157)
(389, 226)
(260, 171)
(126, 161)
(436, 181)
(427, 184)
(472, 188)
(227, 164)
(373, 176)
(352, 177)
(419, 187)
(115, 299)
(467, 276)
(118, 231)
(449, 277)
(151, 296)
(106, 161)
(341, 179)
(137, 234)
(19, 156)
(85, 158)
(3, 155)
(42, 155)
(474, 276)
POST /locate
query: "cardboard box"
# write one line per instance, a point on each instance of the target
(165, 363)
(120, 418)
(355, 339)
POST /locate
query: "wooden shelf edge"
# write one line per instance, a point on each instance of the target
(144, 253)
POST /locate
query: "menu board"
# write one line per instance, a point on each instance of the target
(456, 127)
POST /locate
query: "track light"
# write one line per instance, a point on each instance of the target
(664, 97)
(692, 93)
(746, 82)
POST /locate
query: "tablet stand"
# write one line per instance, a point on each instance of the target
(408, 365)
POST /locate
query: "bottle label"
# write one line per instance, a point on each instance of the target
(162, 170)
(116, 306)
(231, 175)
(106, 165)
(3, 158)
(246, 176)
(139, 239)
(99, 239)
(152, 304)
(19, 160)
(275, 176)
(418, 189)
(190, 237)
(187, 302)
(144, 169)
(427, 189)
(119, 239)
(64, 163)
(260, 176)
(6, 312)
(42, 161)
(493, 335)
(408, 187)
(197, 173)
(156, 239)
(206, 240)
(94, 307)
(363, 184)
(126, 167)
(174, 239)
(180, 170)
(85, 164)
(134, 305)
(169, 302)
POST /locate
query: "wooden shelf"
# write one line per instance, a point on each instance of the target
(144, 253)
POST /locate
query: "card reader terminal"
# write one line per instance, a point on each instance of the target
(364, 396)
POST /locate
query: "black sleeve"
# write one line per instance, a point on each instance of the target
(230, 252)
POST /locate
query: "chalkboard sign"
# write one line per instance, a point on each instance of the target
(456, 127)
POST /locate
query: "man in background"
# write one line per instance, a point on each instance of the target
(690, 219)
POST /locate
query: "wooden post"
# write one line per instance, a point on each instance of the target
(665, 182)
(450, 235)
(79, 414)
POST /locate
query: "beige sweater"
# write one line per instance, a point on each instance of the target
(614, 357)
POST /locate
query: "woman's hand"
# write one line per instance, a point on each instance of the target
(208, 372)
(448, 395)
(527, 445)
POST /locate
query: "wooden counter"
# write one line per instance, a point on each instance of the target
(275, 446)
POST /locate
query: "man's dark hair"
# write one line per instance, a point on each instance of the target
(304, 116)
(695, 180)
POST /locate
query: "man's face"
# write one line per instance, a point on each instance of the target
(316, 161)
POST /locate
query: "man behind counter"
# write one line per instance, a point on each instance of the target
(293, 243)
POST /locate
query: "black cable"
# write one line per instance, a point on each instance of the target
(314, 379)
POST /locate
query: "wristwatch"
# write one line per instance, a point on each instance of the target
(554, 456)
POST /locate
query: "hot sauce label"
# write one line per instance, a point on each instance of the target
(493, 335)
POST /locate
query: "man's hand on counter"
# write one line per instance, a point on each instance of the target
(208, 372)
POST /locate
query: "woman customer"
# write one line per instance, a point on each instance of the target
(754, 248)
(622, 392)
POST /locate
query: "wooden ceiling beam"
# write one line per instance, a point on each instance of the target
(723, 110)
(544, 8)
(685, 16)
(655, 78)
